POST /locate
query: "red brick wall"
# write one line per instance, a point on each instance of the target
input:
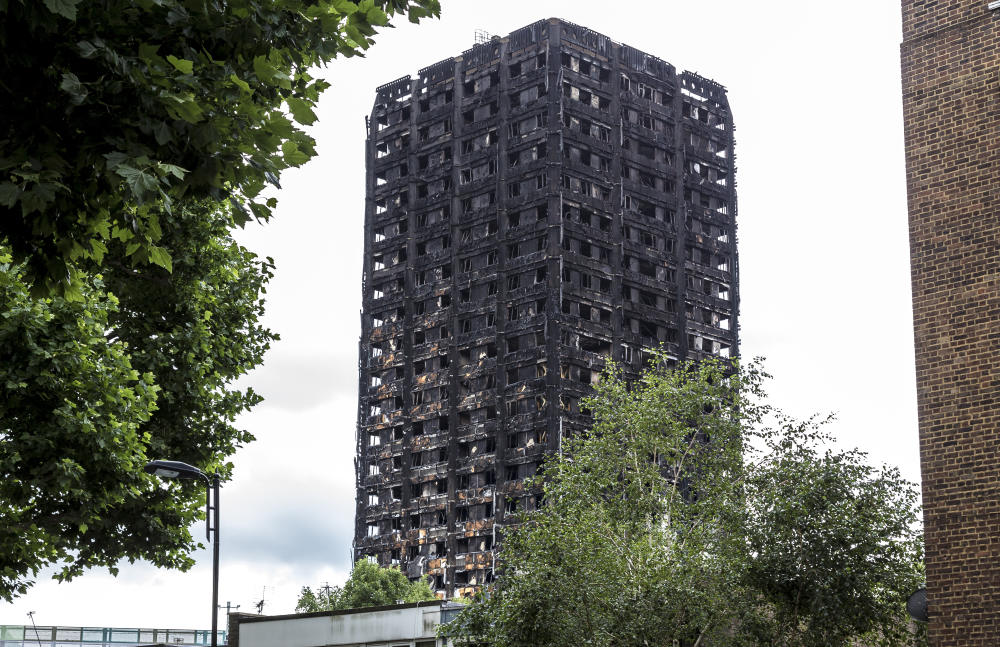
(951, 106)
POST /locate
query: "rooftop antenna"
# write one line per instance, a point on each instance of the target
(325, 598)
(260, 605)
(31, 614)
(483, 36)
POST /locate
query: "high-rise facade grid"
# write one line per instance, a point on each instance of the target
(535, 205)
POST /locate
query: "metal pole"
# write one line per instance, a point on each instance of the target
(215, 560)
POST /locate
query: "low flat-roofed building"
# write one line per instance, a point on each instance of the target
(401, 625)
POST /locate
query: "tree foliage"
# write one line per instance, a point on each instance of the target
(116, 110)
(137, 135)
(323, 599)
(196, 330)
(72, 409)
(694, 512)
(369, 585)
(833, 546)
(141, 365)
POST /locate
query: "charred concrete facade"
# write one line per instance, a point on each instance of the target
(951, 108)
(535, 205)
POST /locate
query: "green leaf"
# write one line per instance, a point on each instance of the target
(345, 6)
(301, 110)
(97, 251)
(356, 36)
(72, 294)
(365, 28)
(243, 85)
(176, 171)
(71, 85)
(147, 52)
(263, 69)
(187, 109)
(280, 126)
(261, 212)
(415, 14)
(37, 198)
(182, 64)
(64, 8)
(141, 183)
(9, 194)
(292, 155)
(160, 256)
(115, 159)
(162, 133)
(86, 49)
(376, 16)
(282, 80)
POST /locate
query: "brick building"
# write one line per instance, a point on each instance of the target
(534, 205)
(951, 102)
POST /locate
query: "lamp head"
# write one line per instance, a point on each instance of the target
(916, 605)
(174, 470)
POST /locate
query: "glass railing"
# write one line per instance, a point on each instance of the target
(44, 636)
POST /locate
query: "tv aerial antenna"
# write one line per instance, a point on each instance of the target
(260, 605)
(31, 614)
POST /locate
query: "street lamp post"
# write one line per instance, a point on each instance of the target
(178, 470)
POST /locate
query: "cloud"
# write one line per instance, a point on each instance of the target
(291, 500)
(308, 533)
(296, 379)
(284, 515)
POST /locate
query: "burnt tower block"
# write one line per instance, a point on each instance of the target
(539, 203)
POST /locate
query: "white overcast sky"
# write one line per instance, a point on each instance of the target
(825, 291)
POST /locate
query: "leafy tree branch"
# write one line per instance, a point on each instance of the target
(118, 110)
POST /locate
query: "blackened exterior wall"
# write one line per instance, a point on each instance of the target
(951, 104)
(534, 205)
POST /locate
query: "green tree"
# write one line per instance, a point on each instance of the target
(324, 599)
(72, 409)
(369, 585)
(196, 329)
(117, 110)
(658, 526)
(93, 387)
(833, 551)
(137, 134)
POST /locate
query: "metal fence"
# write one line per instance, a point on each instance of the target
(27, 636)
